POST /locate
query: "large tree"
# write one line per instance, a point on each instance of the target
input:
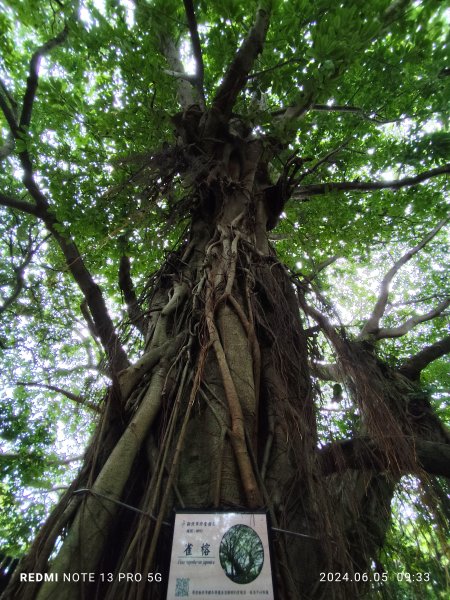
(232, 217)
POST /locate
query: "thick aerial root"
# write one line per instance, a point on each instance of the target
(93, 519)
(237, 429)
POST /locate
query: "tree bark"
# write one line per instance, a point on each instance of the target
(218, 414)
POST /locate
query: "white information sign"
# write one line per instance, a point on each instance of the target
(220, 555)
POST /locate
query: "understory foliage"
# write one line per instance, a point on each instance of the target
(224, 233)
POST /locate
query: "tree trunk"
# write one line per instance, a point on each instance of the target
(218, 413)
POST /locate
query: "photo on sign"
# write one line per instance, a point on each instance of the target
(241, 554)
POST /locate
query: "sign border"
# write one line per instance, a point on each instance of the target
(212, 511)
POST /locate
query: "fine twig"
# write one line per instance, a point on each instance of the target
(404, 328)
(372, 325)
(317, 189)
(70, 395)
(19, 273)
(321, 161)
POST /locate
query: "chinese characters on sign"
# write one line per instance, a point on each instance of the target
(220, 554)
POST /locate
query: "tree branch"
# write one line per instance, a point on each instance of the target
(196, 47)
(269, 69)
(103, 323)
(316, 189)
(19, 129)
(18, 204)
(348, 109)
(65, 461)
(417, 299)
(236, 76)
(88, 318)
(126, 285)
(184, 87)
(415, 364)
(323, 321)
(394, 332)
(91, 291)
(33, 77)
(322, 160)
(104, 326)
(362, 453)
(319, 267)
(19, 272)
(70, 395)
(6, 109)
(16, 292)
(326, 372)
(51, 461)
(306, 101)
(313, 85)
(368, 115)
(178, 75)
(372, 325)
(10, 98)
(10, 118)
(8, 147)
(9, 108)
